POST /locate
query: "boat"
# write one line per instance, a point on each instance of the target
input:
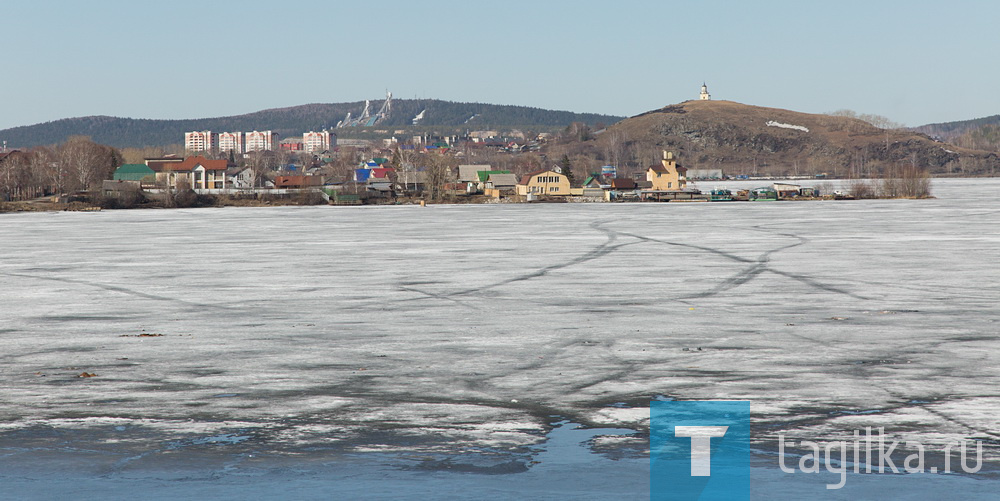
(721, 195)
(766, 194)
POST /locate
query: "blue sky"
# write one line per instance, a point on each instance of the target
(915, 62)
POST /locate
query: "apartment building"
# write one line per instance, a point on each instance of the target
(232, 141)
(315, 142)
(201, 141)
(261, 141)
(245, 142)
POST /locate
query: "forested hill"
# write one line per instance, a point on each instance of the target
(951, 130)
(980, 134)
(293, 121)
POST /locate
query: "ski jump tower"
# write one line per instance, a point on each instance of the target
(366, 119)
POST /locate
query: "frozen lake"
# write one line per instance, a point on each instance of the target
(386, 351)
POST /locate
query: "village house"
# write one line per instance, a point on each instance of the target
(385, 174)
(504, 181)
(382, 179)
(623, 184)
(543, 182)
(135, 172)
(484, 176)
(598, 181)
(242, 178)
(469, 173)
(298, 182)
(498, 184)
(121, 188)
(196, 172)
(668, 176)
(412, 181)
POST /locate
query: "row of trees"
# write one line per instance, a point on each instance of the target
(876, 120)
(898, 181)
(77, 164)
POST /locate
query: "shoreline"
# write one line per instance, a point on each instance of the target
(49, 206)
(305, 198)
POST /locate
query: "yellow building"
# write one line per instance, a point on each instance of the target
(669, 176)
(543, 182)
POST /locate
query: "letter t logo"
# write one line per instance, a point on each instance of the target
(701, 446)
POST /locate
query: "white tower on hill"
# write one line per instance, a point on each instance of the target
(705, 96)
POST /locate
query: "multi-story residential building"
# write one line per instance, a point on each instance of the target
(244, 142)
(319, 141)
(232, 141)
(201, 141)
(261, 141)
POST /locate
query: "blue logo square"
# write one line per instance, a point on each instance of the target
(699, 450)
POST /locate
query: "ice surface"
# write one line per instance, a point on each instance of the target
(445, 329)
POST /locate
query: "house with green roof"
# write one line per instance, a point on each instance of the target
(484, 175)
(134, 172)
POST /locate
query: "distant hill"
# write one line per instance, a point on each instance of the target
(950, 130)
(744, 139)
(981, 133)
(292, 121)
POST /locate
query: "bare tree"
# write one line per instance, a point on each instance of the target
(83, 164)
(260, 163)
(49, 163)
(616, 149)
(878, 121)
(905, 181)
(438, 173)
(14, 179)
(404, 161)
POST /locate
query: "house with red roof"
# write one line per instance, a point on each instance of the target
(382, 173)
(298, 182)
(198, 173)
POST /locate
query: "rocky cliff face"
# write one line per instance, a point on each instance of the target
(743, 139)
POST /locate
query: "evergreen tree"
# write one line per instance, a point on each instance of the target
(567, 169)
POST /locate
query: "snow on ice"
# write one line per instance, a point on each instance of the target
(470, 331)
